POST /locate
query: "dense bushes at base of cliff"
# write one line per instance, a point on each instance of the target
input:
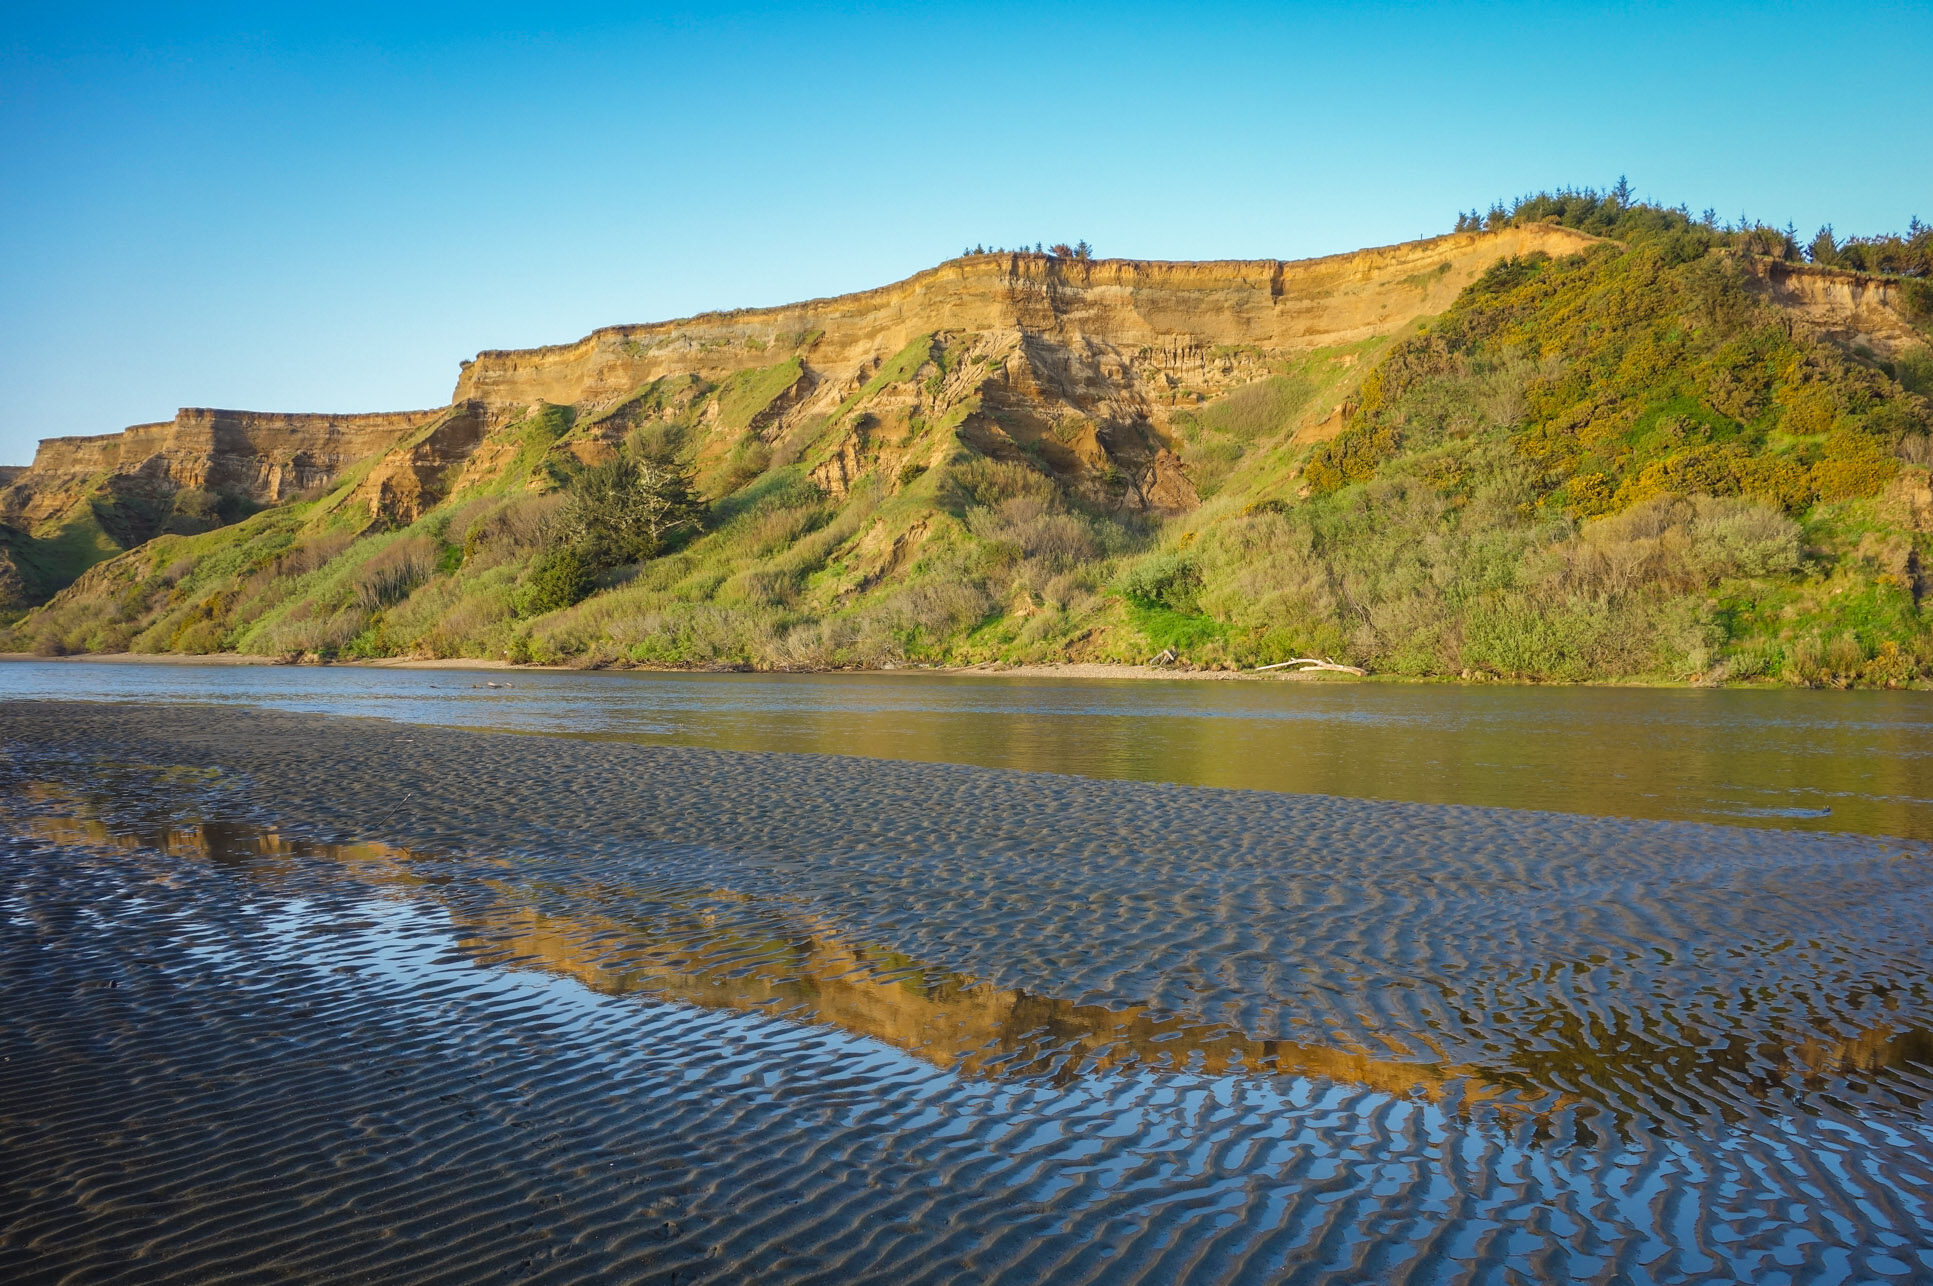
(558, 578)
(1621, 463)
(625, 510)
(1405, 577)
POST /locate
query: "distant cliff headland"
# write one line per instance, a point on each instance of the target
(1580, 438)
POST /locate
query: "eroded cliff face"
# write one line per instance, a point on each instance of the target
(1079, 365)
(85, 499)
(1115, 342)
(1081, 368)
(414, 474)
(1118, 341)
(1085, 323)
(265, 457)
(1850, 308)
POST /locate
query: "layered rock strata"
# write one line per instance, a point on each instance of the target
(1081, 366)
(265, 457)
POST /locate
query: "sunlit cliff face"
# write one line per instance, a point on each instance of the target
(1113, 344)
(1079, 363)
(1153, 316)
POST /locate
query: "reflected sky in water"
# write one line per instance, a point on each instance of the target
(1846, 761)
(802, 1089)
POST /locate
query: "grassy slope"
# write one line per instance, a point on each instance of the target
(33, 565)
(1509, 495)
(1619, 465)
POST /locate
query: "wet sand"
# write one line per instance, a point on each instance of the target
(332, 998)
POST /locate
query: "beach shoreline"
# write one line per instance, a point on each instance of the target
(1074, 670)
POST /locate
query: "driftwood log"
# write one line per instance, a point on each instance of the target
(1308, 663)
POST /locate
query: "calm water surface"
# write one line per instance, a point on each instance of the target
(322, 999)
(1843, 761)
(231, 1044)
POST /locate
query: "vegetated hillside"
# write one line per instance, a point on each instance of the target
(1676, 454)
(86, 499)
(1075, 360)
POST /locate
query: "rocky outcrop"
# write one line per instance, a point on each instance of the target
(1185, 320)
(1165, 487)
(261, 457)
(414, 475)
(1850, 308)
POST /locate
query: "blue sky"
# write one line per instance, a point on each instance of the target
(329, 211)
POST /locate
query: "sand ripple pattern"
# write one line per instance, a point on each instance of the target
(1641, 1051)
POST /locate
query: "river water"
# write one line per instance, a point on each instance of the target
(1840, 761)
(1460, 985)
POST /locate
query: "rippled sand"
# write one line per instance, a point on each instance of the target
(291, 996)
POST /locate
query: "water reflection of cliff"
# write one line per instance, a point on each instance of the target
(951, 1021)
(1634, 1070)
(718, 950)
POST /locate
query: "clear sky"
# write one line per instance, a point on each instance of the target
(288, 210)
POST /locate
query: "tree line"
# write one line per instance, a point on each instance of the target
(1620, 215)
(1079, 251)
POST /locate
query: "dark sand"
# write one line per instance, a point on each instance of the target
(611, 1012)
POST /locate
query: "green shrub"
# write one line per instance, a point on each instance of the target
(1916, 300)
(1167, 581)
(976, 480)
(1518, 637)
(1164, 627)
(558, 579)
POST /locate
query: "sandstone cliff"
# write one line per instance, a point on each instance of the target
(1092, 371)
(1850, 308)
(1127, 334)
(1174, 319)
(86, 498)
(265, 456)
(1077, 364)
(1086, 357)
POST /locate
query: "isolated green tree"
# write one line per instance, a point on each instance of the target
(627, 509)
(1824, 248)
